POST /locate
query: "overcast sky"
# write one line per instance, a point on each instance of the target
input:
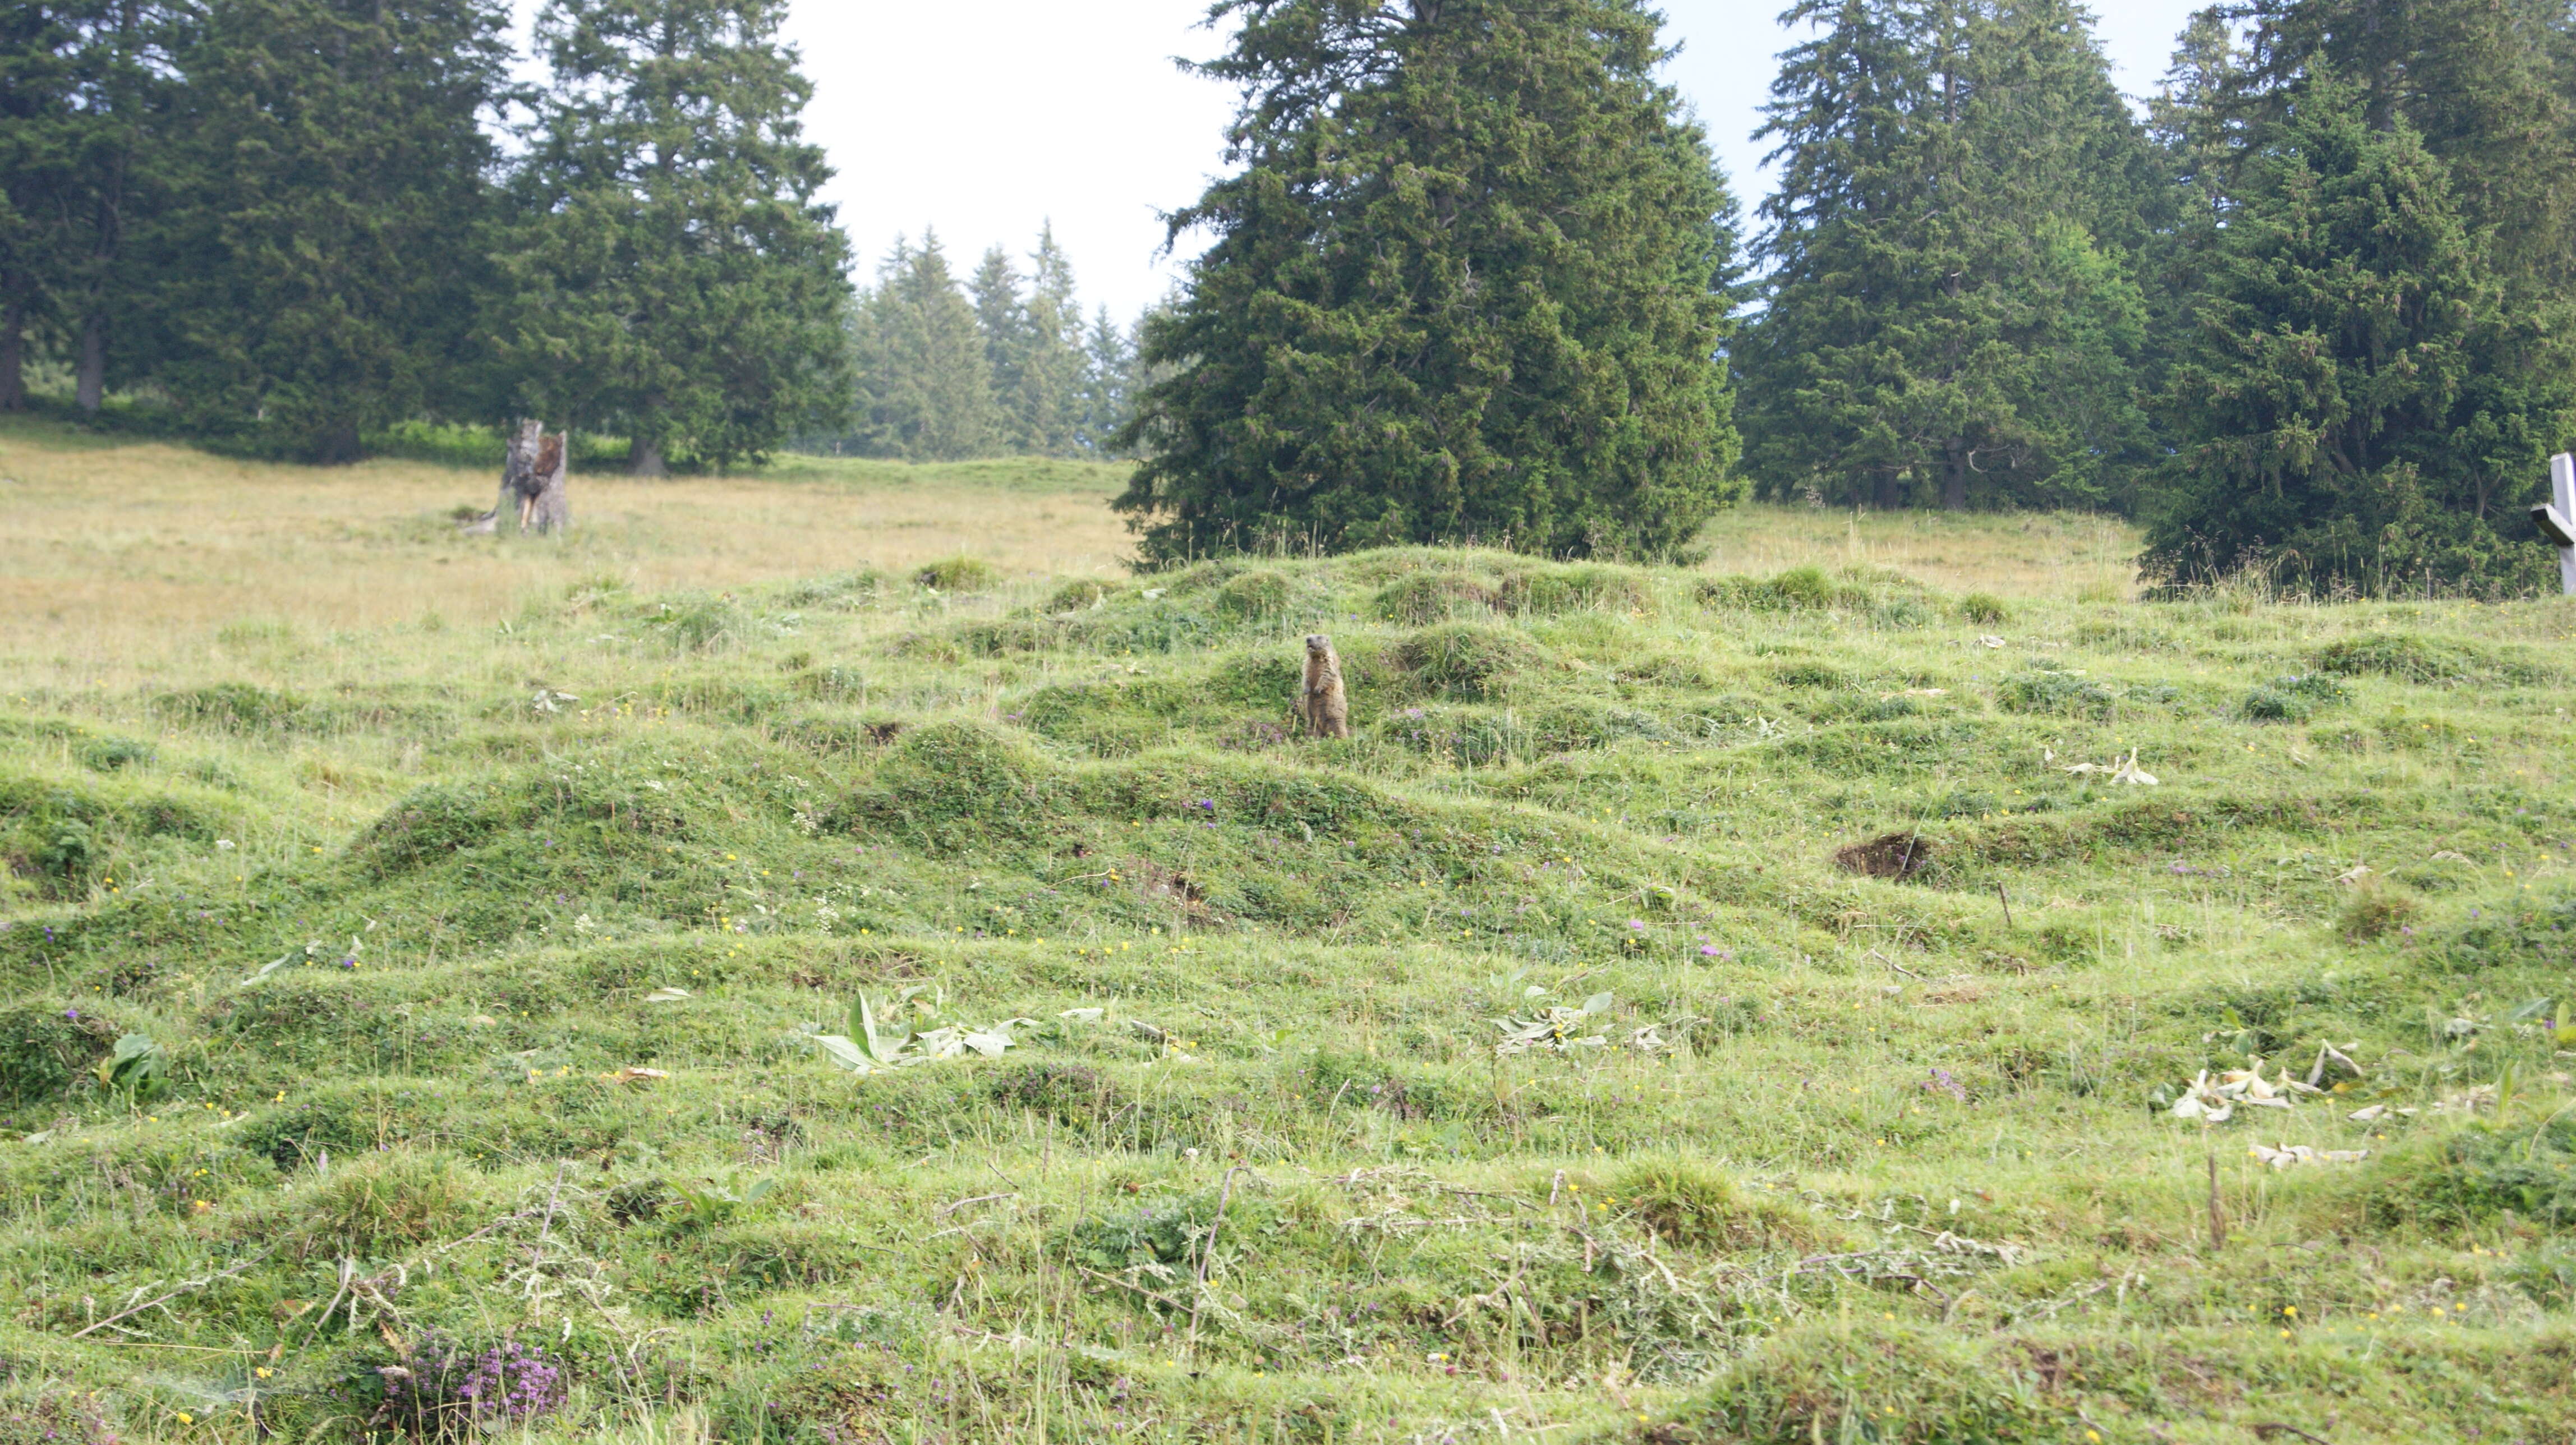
(986, 120)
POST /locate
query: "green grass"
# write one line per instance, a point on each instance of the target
(1854, 1157)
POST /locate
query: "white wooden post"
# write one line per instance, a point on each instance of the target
(2556, 518)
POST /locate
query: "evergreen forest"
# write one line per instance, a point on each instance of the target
(1472, 273)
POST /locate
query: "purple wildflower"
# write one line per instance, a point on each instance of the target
(449, 1386)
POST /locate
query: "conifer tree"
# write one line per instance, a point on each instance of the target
(2463, 108)
(1469, 282)
(317, 245)
(41, 125)
(925, 374)
(1044, 396)
(1001, 317)
(2483, 85)
(2350, 409)
(1951, 311)
(681, 281)
(85, 91)
(1105, 403)
(1040, 392)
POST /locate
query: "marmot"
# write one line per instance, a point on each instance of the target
(1325, 709)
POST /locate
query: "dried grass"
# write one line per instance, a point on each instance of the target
(123, 560)
(2062, 555)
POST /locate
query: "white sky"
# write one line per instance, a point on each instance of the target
(986, 120)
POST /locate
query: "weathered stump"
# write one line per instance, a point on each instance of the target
(548, 507)
(532, 484)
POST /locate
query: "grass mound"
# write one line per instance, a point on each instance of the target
(935, 1004)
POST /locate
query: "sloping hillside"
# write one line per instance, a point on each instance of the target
(1692, 1008)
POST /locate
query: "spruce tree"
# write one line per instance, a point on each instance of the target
(85, 92)
(2196, 144)
(681, 281)
(1469, 282)
(1044, 398)
(41, 129)
(2350, 409)
(1104, 403)
(317, 247)
(1001, 317)
(2482, 83)
(925, 377)
(1951, 311)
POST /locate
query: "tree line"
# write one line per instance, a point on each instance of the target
(1001, 363)
(1477, 275)
(2309, 313)
(1473, 273)
(290, 223)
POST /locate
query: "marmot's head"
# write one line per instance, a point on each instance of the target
(1318, 642)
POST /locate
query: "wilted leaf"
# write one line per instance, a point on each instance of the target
(841, 1050)
(1553, 1030)
(2288, 1154)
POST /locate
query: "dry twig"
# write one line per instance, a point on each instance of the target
(189, 1288)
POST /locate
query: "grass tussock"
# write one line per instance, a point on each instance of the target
(842, 998)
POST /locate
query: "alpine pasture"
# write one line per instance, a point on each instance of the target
(1747, 1002)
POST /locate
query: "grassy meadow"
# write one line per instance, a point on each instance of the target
(1735, 1004)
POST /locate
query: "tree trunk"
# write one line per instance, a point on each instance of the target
(551, 507)
(13, 350)
(519, 473)
(1891, 493)
(644, 458)
(338, 446)
(532, 483)
(1954, 477)
(89, 389)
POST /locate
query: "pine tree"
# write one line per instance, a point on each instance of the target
(2189, 120)
(1470, 282)
(1951, 308)
(1822, 383)
(925, 377)
(2482, 83)
(2196, 143)
(40, 132)
(1002, 318)
(318, 242)
(1045, 397)
(85, 86)
(1104, 404)
(2350, 409)
(682, 282)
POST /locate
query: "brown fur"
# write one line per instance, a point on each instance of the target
(532, 484)
(1324, 708)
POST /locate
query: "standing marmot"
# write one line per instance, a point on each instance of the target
(1325, 709)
